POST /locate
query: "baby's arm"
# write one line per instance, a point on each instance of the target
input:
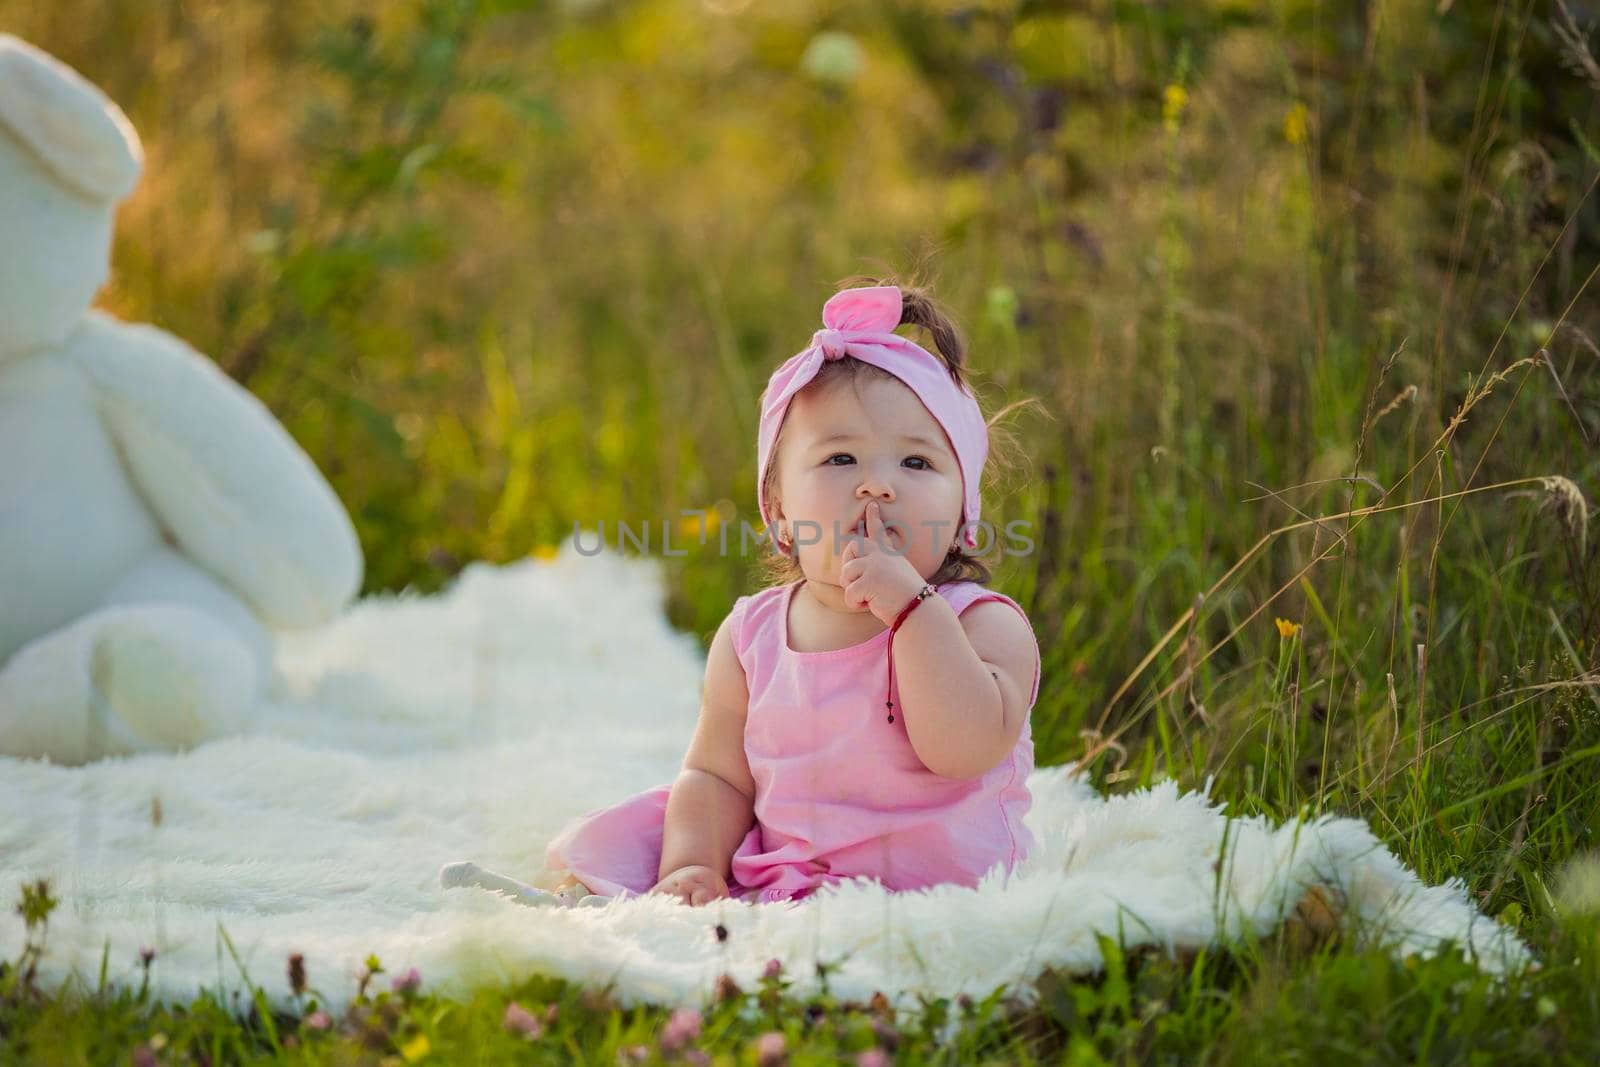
(712, 803)
(965, 682)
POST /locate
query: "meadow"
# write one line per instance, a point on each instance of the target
(1298, 300)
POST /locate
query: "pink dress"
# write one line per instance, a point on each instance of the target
(840, 793)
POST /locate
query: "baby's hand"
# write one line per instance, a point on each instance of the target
(694, 885)
(873, 576)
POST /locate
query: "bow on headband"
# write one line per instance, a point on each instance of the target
(861, 323)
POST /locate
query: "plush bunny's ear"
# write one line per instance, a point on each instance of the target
(74, 129)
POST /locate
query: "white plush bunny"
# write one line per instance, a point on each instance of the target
(155, 520)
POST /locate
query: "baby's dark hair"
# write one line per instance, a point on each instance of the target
(918, 308)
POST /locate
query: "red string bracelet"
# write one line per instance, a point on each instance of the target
(922, 594)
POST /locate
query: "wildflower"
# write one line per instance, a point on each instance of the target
(317, 1020)
(701, 524)
(633, 1054)
(143, 1057)
(297, 973)
(727, 989)
(546, 551)
(682, 1027)
(1294, 123)
(872, 1057)
(772, 1049)
(146, 954)
(406, 984)
(885, 1033)
(773, 969)
(416, 1048)
(1173, 101)
(520, 1020)
(1287, 629)
(698, 1057)
(373, 967)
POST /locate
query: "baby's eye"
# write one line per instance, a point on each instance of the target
(919, 459)
(838, 455)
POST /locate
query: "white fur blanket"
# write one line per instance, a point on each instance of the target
(474, 724)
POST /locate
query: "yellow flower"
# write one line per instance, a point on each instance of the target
(1287, 629)
(416, 1048)
(1173, 100)
(546, 552)
(690, 526)
(1294, 123)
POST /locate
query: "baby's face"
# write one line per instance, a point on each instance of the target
(841, 450)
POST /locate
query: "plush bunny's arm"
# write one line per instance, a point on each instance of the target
(222, 477)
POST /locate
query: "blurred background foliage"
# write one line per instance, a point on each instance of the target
(503, 267)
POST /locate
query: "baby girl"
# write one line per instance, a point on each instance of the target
(867, 717)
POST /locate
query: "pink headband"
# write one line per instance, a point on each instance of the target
(860, 323)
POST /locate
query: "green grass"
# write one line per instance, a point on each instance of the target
(1292, 997)
(501, 269)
